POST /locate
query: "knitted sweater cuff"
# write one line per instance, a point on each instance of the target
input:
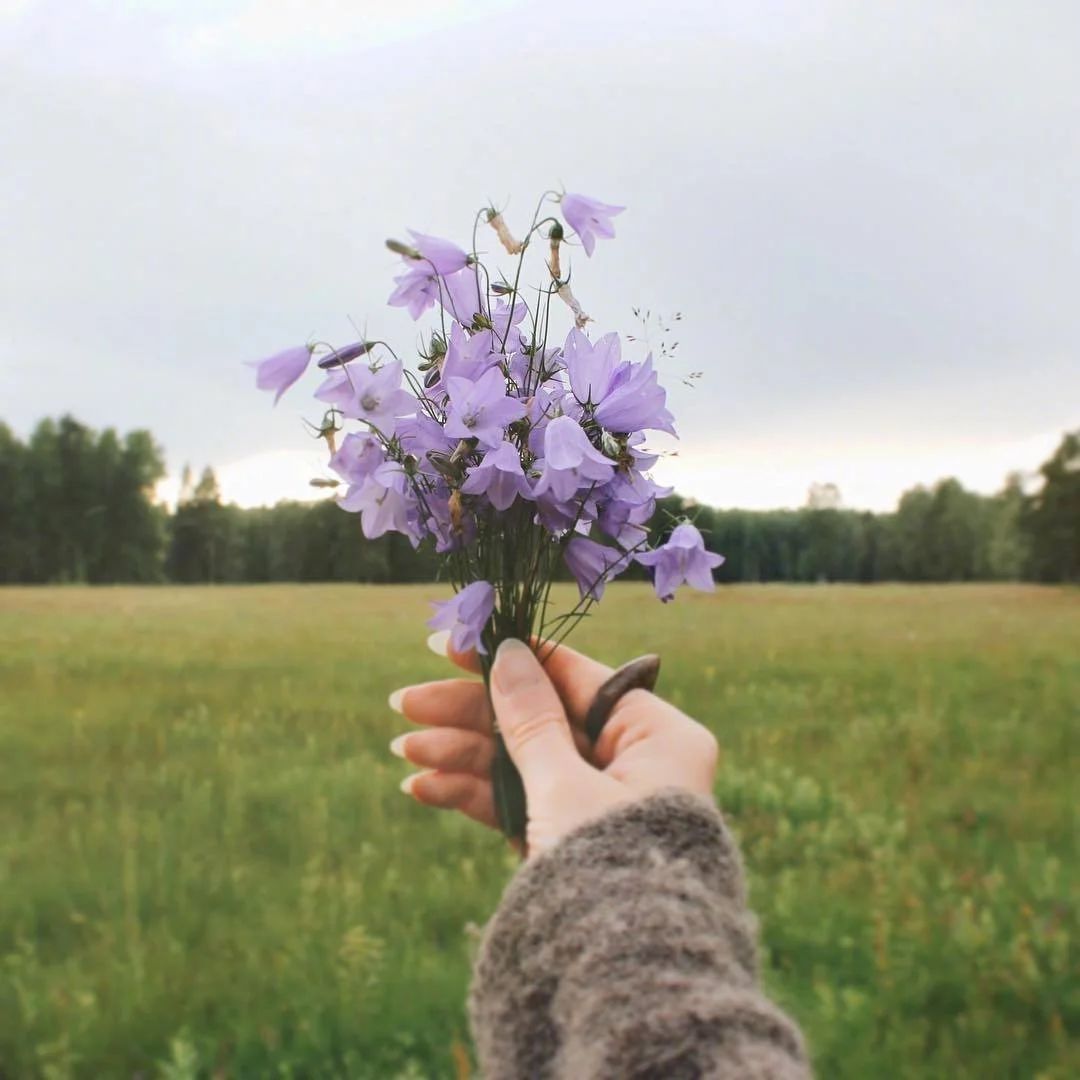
(617, 948)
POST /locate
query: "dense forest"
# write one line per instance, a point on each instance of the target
(77, 505)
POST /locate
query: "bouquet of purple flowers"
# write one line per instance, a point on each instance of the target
(511, 447)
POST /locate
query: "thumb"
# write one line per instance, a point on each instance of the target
(530, 715)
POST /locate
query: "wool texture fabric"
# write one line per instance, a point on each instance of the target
(628, 951)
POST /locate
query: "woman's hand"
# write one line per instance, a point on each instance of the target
(645, 746)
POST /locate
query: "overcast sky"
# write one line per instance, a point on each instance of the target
(867, 213)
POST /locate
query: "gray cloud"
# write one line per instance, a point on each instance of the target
(866, 213)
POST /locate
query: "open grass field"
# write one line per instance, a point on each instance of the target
(207, 869)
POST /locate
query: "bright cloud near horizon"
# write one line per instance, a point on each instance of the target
(867, 216)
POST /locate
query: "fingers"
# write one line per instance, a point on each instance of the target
(448, 750)
(439, 644)
(576, 677)
(454, 791)
(456, 703)
(531, 716)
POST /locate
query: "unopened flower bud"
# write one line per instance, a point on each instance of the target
(345, 354)
(495, 220)
(555, 238)
(398, 248)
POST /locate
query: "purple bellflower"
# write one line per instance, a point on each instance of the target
(571, 462)
(468, 357)
(444, 256)
(635, 401)
(417, 289)
(503, 317)
(626, 506)
(591, 367)
(384, 503)
(589, 219)
(358, 456)
(593, 565)
(465, 615)
(462, 296)
(623, 396)
(500, 477)
(372, 395)
(280, 371)
(481, 410)
(682, 559)
(419, 436)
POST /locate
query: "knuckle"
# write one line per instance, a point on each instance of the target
(533, 726)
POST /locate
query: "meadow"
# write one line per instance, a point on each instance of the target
(207, 868)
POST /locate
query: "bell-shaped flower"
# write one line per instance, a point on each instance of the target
(570, 462)
(682, 558)
(280, 371)
(593, 565)
(467, 356)
(503, 317)
(444, 256)
(589, 218)
(465, 616)
(621, 395)
(463, 296)
(571, 515)
(385, 503)
(417, 290)
(543, 408)
(357, 458)
(626, 506)
(481, 410)
(635, 401)
(591, 366)
(420, 436)
(373, 395)
(499, 476)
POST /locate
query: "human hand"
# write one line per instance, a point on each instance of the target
(645, 746)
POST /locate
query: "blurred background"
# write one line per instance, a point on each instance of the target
(857, 221)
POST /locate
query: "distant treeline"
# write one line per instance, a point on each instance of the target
(77, 506)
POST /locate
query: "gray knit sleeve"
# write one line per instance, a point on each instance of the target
(627, 951)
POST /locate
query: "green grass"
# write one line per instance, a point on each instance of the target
(206, 868)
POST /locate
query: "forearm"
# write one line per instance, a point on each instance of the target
(627, 951)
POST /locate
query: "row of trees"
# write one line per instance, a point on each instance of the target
(77, 506)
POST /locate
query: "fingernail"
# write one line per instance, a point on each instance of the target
(407, 783)
(514, 665)
(396, 701)
(439, 642)
(397, 746)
